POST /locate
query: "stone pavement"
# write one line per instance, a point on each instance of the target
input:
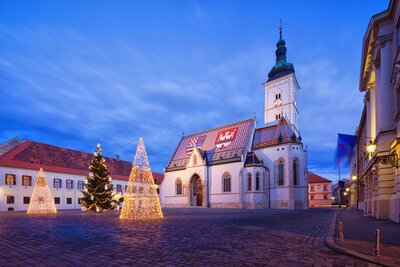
(185, 237)
(359, 234)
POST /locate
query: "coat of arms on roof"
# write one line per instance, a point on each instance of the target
(196, 141)
(225, 137)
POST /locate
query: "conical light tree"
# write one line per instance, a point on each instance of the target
(141, 198)
(41, 202)
(98, 193)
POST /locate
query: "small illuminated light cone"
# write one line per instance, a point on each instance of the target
(141, 198)
(42, 202)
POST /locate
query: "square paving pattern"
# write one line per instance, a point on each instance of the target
(185, 237)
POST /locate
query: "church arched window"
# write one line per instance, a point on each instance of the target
(257, 181)
(178, 187)
(281, 172)
(295, 172)
(249, 182)
(226, 182)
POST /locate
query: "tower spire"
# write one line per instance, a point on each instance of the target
(280, 30)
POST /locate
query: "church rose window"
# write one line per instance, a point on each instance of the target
(226, 178)
(179, 187)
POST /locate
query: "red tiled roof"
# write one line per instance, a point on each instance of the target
(313, 178)
(225, 142)
(35, 155)
(269, 136)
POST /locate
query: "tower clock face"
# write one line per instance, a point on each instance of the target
(278, 102)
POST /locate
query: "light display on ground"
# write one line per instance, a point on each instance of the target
(141, 198)
(41, 202)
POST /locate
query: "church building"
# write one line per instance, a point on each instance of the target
(241, 166)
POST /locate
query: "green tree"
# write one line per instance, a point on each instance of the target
(98, 193)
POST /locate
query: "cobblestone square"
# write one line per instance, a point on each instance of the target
(185, 237)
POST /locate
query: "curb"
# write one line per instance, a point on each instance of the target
(330, 242)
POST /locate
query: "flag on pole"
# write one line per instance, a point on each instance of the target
(345, 149)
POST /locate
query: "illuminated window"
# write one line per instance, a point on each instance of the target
(257, 181)
(178, 187)
(27, 200)
(11, 179)
(10, 199)
(57, 183)
(226, 180)
(69, 184)
(194, 159)
(249, 185)
(56, 200)
(26, 180)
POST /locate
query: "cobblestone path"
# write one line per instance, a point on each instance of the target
(185, 237)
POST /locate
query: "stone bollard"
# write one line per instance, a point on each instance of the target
(341, 230)
(377, 242)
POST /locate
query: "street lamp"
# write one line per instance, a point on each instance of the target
(347, 189)
(371, 147)
(354, 177)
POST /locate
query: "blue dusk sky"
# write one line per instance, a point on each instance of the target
(75, 73)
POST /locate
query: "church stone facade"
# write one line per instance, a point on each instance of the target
(241, 166)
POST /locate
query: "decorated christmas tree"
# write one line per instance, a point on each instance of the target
(141, 198)
(98, 193)
(42, 201)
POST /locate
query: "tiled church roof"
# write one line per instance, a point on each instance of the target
(224, 143)
(274, 135)
(34, 155)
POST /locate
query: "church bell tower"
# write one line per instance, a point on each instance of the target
(281, 90)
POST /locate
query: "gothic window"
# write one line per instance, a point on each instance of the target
(226, 179)
(295, 172)
(178, 186)
(257, 181)
(249, 182)
(278, 96)
(280, 172)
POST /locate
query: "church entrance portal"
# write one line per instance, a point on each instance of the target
(196, 191)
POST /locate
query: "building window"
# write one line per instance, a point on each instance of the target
(178, 187)
(280, 173)
(56, 200)
(79, 200)
(126, 188)
(119, 188)
(80, 185)
(26, 180)
(325, 187)
(11, 179)
(226, 179)
(27, 200)
(249, 182)
(10, 199)
(57, 183)
(295, 172)
(278, 96)
(312, 197)
(311, 188)
(257, 181)
(325, 196)
(194, 159)
(69, 200)
(69, 184)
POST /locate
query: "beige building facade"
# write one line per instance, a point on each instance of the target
(376, 173)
